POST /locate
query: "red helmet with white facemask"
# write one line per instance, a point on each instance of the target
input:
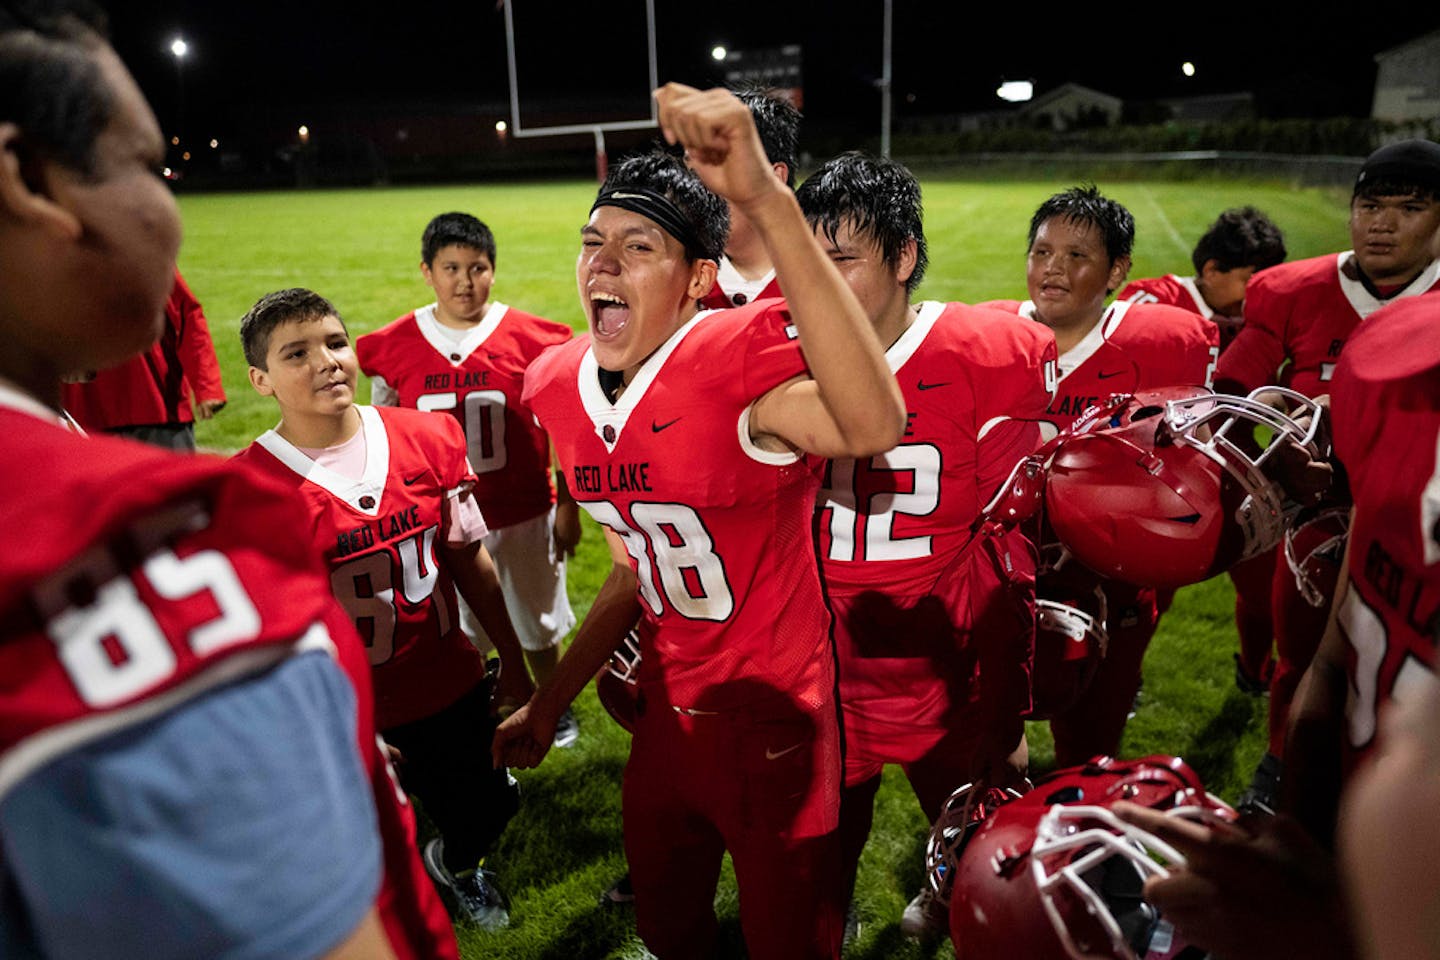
(1055, 875)
(1163, 488)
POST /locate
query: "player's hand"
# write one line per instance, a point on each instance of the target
(720, 141)
(1254, 890)
(567, 528)
(206, 409)
(513, 689)
(524, 738)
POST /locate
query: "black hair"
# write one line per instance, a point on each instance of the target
(1086, 205)
(666, 174)
(456, 229)
(273, 309)
(878, 197)
(50, 83)
(1240, 237)
(778, 123)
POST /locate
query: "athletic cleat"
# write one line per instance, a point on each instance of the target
(1254, 686)
(620, 894)
(567, 730)
(853, 927)
(1263, 793)
(472, 896)
(926, 918)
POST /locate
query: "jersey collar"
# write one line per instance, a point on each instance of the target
(370, 488)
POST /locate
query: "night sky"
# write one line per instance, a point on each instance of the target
(284, 57)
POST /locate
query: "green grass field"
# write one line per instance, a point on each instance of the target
(361, 249)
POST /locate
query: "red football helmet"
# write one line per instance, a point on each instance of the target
(1151, 488)
(1055, 875)
(1315, 550)
(1070, 642)
(617, 685)
(968, 807)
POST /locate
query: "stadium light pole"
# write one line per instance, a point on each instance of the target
(179, 49)
(885, 82)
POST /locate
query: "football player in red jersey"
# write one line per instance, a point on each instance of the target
(933, 625)
(1079, 253)
(746, 272)
(466, 355)
(149, 396)
(1240, 242)
(179, 772)
(1277, 889)
(686, 434)
(1298, 318)
(388, 493)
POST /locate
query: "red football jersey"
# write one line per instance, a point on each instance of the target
(1302, 312)
(156, 386)
(974, 382)
(119, 591)
(160, 590)
(1176, 291)
(718, 530)
(478, 382)
(1135, 346)
(1386, 416)
(379, 536)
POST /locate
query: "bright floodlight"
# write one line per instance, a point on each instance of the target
(1187, 68)
(1016, 91)
(214, 144)
(717, 52)
(179, 47)
(501, 126)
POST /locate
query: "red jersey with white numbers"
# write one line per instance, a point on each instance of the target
(1386, 415)
(158, 591)
(1135, 346)
(134, 576)
(1176, 291)
(380, 537)
(478, 382)
(718, 530)
(975, 381)
(1300, 314)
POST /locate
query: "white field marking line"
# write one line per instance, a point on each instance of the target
(1164, 220)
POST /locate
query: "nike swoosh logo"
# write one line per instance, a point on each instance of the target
(657, 427)
(408, 481)
(922, 385)
(777, 754)
(1107, 376)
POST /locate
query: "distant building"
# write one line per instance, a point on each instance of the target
(1407, 86)
(1071, 106)
(1213, 108)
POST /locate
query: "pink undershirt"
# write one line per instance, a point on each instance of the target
(464, 524)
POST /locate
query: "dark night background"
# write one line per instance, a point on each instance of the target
(276, 62)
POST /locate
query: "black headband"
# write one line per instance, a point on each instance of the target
(657, 207)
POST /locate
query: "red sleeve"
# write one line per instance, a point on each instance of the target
(1255, 355)
(772, 355)
(1012, 400)
(197, 350)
